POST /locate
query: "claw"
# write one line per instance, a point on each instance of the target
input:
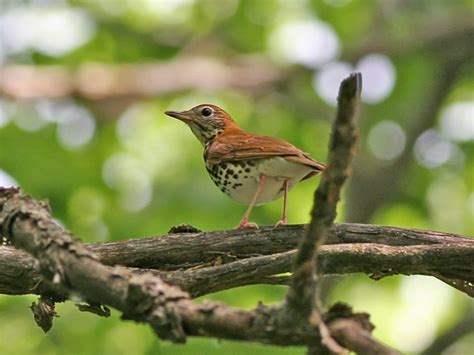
(281, 222)
(246, 224)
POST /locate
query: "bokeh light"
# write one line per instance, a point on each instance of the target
(379, 77)
(457, 121)
(326, 81)
(126, 174)
(311, 43)
(387, 140)
(75, 124)
(415, 305)
(27, 119)
(432, 150)
(50, 29)
(77, 130)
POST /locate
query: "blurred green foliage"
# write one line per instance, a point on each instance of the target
(139, 172)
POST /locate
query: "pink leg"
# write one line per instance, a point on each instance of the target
(244, 223)
(283, 219)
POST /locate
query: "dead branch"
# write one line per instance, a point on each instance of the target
(68, 264)
(207, 262)
(301, 294)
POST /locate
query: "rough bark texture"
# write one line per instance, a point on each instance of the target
(236, 258)
(301, 305)
(301, 295)
(145, 297)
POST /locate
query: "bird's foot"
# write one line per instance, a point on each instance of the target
(281, 222)
(246, 224)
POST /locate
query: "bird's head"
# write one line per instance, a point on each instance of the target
(206, 121)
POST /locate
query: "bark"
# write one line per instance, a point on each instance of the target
(69, 265)
(237, 258)
(301, 300)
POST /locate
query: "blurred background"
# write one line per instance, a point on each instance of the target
(83, 88)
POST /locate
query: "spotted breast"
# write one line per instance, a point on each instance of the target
(239, 180)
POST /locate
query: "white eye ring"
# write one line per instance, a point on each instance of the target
(207, 111)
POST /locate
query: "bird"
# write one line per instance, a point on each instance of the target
(250, 168)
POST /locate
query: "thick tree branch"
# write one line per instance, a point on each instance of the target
(147, 298)
(214, 261)
(373, 259)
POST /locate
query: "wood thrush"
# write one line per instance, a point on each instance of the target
(249, 168)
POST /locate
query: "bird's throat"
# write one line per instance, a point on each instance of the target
(204, 136)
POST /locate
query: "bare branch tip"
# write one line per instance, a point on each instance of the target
(351, 86)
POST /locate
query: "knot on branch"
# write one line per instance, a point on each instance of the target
(341, 310)
(44, 313)
(94, 308)
(184, 228)
(149, 298)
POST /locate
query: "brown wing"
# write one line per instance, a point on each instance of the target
(245, 146)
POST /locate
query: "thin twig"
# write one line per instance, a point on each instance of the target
(301, 295)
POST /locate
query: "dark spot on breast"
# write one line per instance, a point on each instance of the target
(246, 176)
(247, 170)
(212, 171)
(240, 171)
(230, 171)
(251, 162)
(236, 176)
(224, 166)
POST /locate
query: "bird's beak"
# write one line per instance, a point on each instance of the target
(184, 116)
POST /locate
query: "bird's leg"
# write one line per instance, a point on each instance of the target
(244, 223)
(283, 219)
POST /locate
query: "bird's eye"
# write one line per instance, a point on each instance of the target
(206, 111)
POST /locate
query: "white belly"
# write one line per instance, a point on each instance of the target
(242, 187)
